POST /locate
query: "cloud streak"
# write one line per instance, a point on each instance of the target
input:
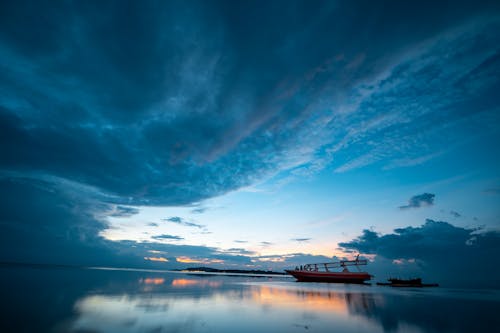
(167, 237)
(300, 240)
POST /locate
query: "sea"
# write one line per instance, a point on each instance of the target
(36, 298)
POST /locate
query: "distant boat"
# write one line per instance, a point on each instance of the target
(322, 272)
(406, 283)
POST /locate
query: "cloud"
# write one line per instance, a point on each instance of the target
(174, 219)
(43, 222)
(240, 241)
(200, 210)
(421, 200)
(495, 190)
(194, 111)
(266, 243)
(437, 250)
(455, 214)
(409, 162)
(159, 259)
(167, 237)
(181, 221)
(152, 224)
(122, 211)
(130, 119)
(301, 239)
(238, 251)
(63, 226)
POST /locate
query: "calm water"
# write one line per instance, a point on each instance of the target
(42, 299)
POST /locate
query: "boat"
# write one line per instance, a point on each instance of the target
(417, 282)
(323, 272)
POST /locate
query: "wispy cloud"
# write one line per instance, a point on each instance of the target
(199, 210)
(183, 222)
(409, 162)
(157, 259)
(238, 251)
(167, 237)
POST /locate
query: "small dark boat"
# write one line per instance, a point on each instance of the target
(322, 272)
(406, 283)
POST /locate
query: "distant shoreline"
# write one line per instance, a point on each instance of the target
(229, 271)
(189, 270)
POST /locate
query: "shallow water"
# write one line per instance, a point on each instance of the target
(51, 299)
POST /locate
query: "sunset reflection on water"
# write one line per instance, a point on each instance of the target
(75, 300)
(182, 283)
(152, 281)
(220, 305)
(312, 300)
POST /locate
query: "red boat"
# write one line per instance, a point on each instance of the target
(322, 272)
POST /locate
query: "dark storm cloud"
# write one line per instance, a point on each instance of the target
(442, 250)
(46, 223)
(172, 103)
(181, 221)
(167, 237)
(421, 200)
(116, 104)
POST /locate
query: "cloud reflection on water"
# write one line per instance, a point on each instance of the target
(45, 299)
(224, 307)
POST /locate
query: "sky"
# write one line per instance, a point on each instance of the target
(252, 135)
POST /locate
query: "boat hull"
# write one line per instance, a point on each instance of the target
(331, 277)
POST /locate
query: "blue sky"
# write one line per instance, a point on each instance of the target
(248, 134)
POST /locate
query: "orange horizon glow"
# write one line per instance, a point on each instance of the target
(188, 260)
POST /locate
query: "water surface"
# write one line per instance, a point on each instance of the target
(52, 299)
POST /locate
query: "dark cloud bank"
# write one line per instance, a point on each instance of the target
(104, 106)
(436, 250)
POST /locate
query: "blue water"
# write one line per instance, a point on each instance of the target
(51, 299)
